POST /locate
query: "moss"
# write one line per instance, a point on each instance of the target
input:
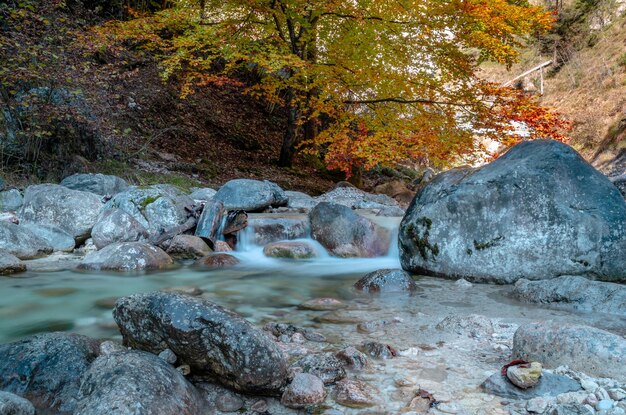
(419, 233)
(479, 246)
(147, 201)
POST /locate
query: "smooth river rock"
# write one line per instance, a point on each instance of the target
(10, 264)
(250, 195)
(20, 241)
(47, 369)
(304, 390)
(126, 256)
(100, 184)
(136, 382)
(290, 250)
(537, 212)
(188, 247)
(116, 225)
(212, 340)
(385, 281)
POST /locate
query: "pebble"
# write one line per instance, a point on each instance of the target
(617, 394)
(322, 304)
(589, 385)
(228, 402)
(524, 377)
(602, 394)
(353, 358)
(591, 399)
(604, 405)
(449, 408)
(304, 390)
(538, 405)
(259, 406)
(355, 394)
(168, 356)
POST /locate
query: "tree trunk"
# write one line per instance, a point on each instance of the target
(290, 139)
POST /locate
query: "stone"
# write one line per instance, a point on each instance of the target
(212, 340)
(109, 347)
(250, 195)
(462, 283)
(570, 409)
(100, 184)
(391, 211)
(20, 241)
(56, 237)
(10, 200)
(47, 369)
(184, 289)
(125, 257)
(188, 247)
(355, 394)
(353, 358)
(168, 356)
(537, 212)
(136, 382)
(604, 405)
(353, 198)
(524, 376)
(617, 394)
(10, 264)
(289, 250)
(323, 365)
(322, 304)
(586, 349)
(229, 402)
(538, 405)
(574, 292)
(345, 234)
(216, 260)
(11, 404)
(303, 391)
(74, 211)
(299, 200)
(211, 221)
(549, 385)
(221, 246)
(203, 194)
(268, 230)
(386, 281)
(115, 225)
(379, 350)
(473, 325)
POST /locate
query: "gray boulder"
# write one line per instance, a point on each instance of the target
(299, 200)
(586, 349)
(115, 225)
(537, 212)
(267, 230)
(216, 260)
(158, 208)
(202, 194)
(574, 292)
(56, 237)
(11, 404)
(250, 195)
(100, 184)
(386, 280)
(10, 264)
(71, 210)
(344, 233)
(136, 382)
(357, 199)
(549, 384)
(126, 256)
(47, 369)
(21, 242)
(213, 341)
(10, 200)
(188, 247)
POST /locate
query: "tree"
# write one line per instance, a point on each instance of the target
(363, 82)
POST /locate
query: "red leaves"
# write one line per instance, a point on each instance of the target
(517, 362)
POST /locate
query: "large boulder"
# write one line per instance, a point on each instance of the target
(213, 341)
(586, 349)
(576, 292)
(126, 256)
(47, 369)
(188, 247)
(71, 210)
(266, 230)
(299, 200)
(537, 212)
(10, 200)
(11, 404)
(10, 264)
(21, 242)
(158, 208)
(56, 237)
(250, 195)
(136, 382)
(115, 225)
(356, 199)
(100, 184)
(346, 234)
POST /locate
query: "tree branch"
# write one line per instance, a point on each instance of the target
(405, 101)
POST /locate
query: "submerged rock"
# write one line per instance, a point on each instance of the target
(115, 225)
(20, 241)
(355, 394)
(592, 351)
(537, 212)
(549, 385)
(322, 304)
(473, 325)
(250, 195)
(11, 404)
(136, 382)
(188, 247)
(10, 264)
(289, 249)
(100, 184)
(47, 369)
(304, 390)
(126, 256)
(325, 366)
(213, 341)
(216, 260)
(386, 280)
(345, 234)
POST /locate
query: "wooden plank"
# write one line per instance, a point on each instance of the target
(528, 72)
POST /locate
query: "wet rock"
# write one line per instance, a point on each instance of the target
(322, 304)
(184, 289)
(10, 200)
(324, 365)
(355, 394)
(461, 283)
(573, 291)
(213, 341)
(386, 280)
(524, 376)
(11, 404)
(47, 369)
(353, 198)
(10, 264)
(379, 350)
(540, 200)
(304, 390)
(71, 210)
(109, 347)
(473, 325)
(56, 237)
(372, 326)
(115, 225)
(281, 330)
(188, 247)
(592, 351)
(299, 200)
(549, 385)
(290, 250)
(21, 242)
(126, 256)
(353, 358)
(345, 234)
(203, 194)
(136, 382)
(221, 246)
(391, 211)
(210, 221)
(570, 409)
(250, 195)
(100, 184)
(216, 260)
(268, 230)
(338, 317)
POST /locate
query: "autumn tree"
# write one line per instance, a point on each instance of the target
(363, 82)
